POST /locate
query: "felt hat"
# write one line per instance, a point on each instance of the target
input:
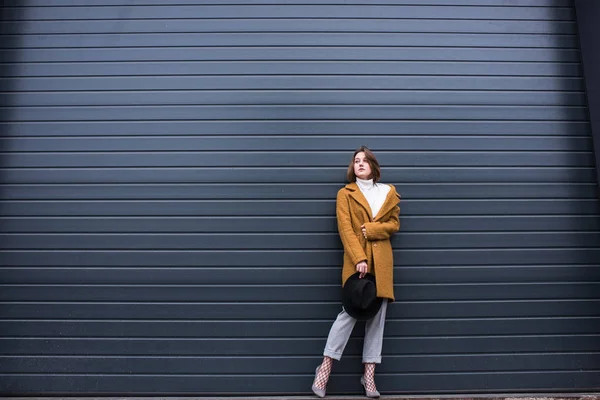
(359, 296)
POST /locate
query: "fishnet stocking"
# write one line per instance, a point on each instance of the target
(370, 377)
(323, 375)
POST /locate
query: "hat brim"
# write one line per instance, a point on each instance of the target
(357, 313)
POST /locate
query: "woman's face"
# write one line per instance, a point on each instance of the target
(362, 168)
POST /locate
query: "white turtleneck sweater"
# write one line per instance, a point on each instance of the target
(375, 193)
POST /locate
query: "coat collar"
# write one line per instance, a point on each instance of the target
(390, 202)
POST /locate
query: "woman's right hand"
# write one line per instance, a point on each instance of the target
(362, 267)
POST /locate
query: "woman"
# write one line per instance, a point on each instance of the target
(367, 215)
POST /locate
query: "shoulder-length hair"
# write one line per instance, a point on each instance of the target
(373, 163)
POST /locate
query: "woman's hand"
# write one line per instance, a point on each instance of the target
(362, 267)
(364, 230)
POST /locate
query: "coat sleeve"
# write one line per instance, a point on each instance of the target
(349, 239)
(383, 230)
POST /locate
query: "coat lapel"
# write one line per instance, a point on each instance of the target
(390, 202)
(357, 195)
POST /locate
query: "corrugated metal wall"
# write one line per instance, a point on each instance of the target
(169, 176)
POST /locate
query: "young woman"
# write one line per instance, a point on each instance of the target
(367, 215)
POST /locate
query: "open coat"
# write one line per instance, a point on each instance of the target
(353, 210)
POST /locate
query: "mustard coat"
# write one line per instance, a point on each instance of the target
(353, 210)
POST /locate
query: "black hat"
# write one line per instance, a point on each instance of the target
(359, 296)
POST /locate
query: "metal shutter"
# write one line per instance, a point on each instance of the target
(168, 186)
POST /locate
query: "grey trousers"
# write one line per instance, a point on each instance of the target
(342, 328)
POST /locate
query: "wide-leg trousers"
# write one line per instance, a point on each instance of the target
(342, 328)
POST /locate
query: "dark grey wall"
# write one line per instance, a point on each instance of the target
(588, 13)
(167, 196)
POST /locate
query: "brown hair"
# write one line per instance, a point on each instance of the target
(373, 163)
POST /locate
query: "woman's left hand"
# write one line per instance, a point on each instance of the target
(364, 230)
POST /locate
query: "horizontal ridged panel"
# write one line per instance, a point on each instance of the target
(294, 11)
(292, 159)
(272, 275)
(292, 208)
(283, 347)
(286, 258)
(246, 113)
(332, 97)
(514, 3)
(284, 68)
(302, 293)
(329, 68)
(251, 330)
(168, 182)
(297, 25)
(287, 191)
(151, 385)
(281, 241)
(365, 53)
(109, 40)
(219, 135)
(220, 366)
(294, 175)
(512, 223)
(145, 142)
(275, 224)
(293, 82)
(297, 311)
